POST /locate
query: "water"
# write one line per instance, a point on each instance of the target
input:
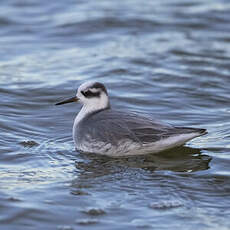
(167, 58)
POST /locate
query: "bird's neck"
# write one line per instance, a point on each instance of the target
(91, 107)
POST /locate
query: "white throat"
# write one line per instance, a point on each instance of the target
(92, 105)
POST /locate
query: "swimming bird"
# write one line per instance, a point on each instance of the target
(102, 130)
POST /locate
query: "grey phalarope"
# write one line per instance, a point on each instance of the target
(99, 129)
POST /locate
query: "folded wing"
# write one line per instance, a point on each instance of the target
(114, 126)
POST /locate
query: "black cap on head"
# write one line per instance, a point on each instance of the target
(94, 90)
(98, 85)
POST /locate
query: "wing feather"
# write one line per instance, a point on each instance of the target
(113, 126)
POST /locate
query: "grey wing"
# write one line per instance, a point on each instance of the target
(122, 129)
(104, 127)
(114, 126)
(149, 130)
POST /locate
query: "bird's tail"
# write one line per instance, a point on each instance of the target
(200, 132)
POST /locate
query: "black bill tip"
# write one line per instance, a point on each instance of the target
(72, 99)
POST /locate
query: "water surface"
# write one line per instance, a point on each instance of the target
(167, 58)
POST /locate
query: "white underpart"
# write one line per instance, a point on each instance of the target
(168, 143)
(127, 147)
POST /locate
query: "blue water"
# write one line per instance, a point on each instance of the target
(168, 58)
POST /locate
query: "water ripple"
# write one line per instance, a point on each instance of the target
(166, 58)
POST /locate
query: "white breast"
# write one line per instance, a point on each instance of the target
(127, 147)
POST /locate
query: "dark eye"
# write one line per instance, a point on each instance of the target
(83, 93)
(89, 94)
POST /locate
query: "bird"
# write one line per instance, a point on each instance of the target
(99, 129)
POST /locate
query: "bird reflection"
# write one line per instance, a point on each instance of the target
(180, 159)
